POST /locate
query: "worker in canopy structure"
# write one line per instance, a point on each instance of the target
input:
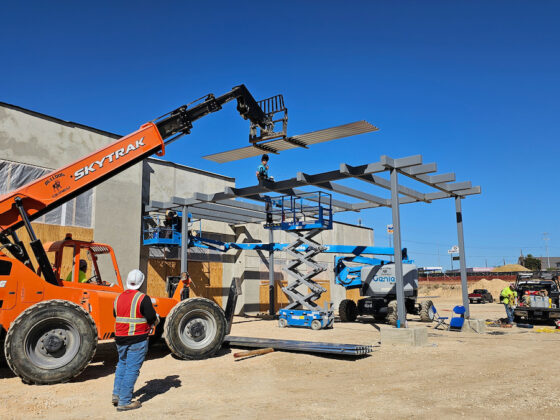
(82, 273)
(508, 297)
(135, 316)
(262, 170)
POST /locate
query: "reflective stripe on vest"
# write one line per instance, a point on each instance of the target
(133, 321)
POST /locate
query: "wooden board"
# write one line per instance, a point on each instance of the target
(353, 294)
(50, 233)
(206, 278)
(158, 270)
(281, 300)
(326, 296)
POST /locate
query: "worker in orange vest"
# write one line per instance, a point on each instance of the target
(135, 315)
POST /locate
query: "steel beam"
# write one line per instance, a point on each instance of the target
(229, 217)
(251, 191)
(229, 210)
(184, 239)
(400, 163)
(401, 310)
(342, 189)
(271, 297)
(462, 262)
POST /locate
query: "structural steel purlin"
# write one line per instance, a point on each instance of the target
(223, 206)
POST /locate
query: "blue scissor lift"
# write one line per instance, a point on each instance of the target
(303, 216)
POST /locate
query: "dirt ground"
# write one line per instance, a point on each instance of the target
(505, 372)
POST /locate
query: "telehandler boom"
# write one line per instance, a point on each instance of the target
(49, 323)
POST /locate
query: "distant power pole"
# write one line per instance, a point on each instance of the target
(546, 239)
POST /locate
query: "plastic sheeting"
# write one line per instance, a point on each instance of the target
(76, 212)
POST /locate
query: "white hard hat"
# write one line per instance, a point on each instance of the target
(134, 280)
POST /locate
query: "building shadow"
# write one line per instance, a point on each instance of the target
(155, 387)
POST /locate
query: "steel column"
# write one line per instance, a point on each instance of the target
(462, 262)
(184, 238)
(401, 310)
(271, 297)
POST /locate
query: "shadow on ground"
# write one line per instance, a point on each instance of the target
(155, 387)
(106, 358)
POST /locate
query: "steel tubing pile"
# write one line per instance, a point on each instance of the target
(301, 346)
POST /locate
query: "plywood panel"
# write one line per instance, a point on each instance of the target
(215, 290)
(353, 294)
(200, 276)
(281, 300)
(51, 233)
(158, 270)
(207, 280)
(326, 296)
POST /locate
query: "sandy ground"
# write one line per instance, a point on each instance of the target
(501, 373)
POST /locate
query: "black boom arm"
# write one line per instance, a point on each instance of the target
(180, 120)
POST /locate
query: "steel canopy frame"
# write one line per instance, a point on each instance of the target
(224, 207)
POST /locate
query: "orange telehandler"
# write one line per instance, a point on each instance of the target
(50, 323)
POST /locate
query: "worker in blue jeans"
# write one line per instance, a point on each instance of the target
(135, 316)
(508, 297)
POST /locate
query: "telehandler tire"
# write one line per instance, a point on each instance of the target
(392, 315)
(347, 310)
(426, 311)
(51, 342)
(195, 328)
(2, 340)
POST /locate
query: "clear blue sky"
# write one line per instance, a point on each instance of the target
(471, 85)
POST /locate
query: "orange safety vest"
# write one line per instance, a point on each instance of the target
(130, 320)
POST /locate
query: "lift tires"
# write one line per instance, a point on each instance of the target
(427, 311)
(195, 329)
(347, 310)
(316, 325)
(282, 322)
(51, 342)
(392, 315)
(2, 339)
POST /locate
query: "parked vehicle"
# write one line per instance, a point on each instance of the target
(480, 296)
(538, 297)
(377, 288)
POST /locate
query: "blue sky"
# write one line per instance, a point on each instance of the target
(471, 85)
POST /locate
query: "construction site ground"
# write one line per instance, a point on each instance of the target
(503, 373)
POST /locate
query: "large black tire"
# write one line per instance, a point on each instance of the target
(2, 340)
(51, 342)
(347, 310)
(392, 315)
(195, 328)
(426, 311)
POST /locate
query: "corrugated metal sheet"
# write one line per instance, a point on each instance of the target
(280, 145)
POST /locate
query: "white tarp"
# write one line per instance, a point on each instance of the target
(76, 212)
